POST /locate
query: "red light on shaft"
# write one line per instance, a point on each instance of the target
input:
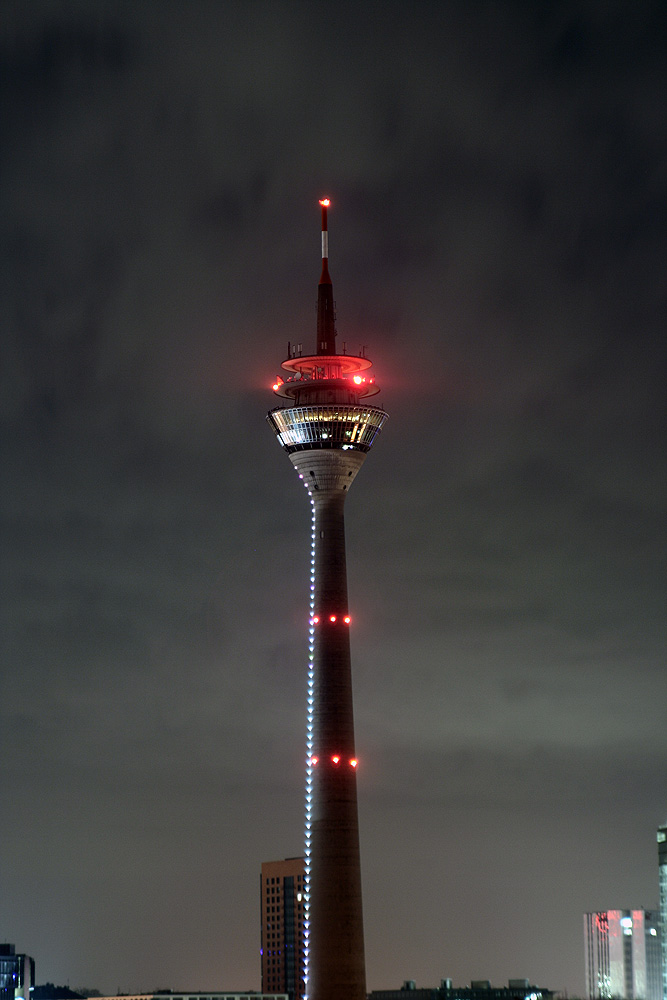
(332, 618)
(354, 762)
(335, 759)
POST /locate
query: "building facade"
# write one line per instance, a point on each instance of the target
(17, 974)
(282, 906)
(623, 955)
(172, 995)
(662, 874)
(478, 989)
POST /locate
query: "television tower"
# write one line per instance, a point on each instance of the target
(327, 429)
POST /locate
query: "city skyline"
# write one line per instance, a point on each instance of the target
(499, 173)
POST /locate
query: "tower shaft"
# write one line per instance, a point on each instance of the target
(337, 965)
(336, 960)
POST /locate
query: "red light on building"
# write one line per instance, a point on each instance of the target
(347, 619)
(332, 618)
(316, 619)
(313, 761)
(353, 762)
(335, 759)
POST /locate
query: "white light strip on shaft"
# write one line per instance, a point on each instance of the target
(309, 753)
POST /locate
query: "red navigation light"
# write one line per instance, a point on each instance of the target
(313, 761)
(316, 620)
(347, 619)
(332, 618)
(335, 759)
(324, 202)
(277, 384)
(353, 762)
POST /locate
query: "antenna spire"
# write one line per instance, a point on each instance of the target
(326, 319)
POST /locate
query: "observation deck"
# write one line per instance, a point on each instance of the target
(349, 428)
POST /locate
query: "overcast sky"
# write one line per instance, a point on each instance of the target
(498, 176)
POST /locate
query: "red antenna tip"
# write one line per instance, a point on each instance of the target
(324, 202)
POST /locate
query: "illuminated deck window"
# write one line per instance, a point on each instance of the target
(302, 427)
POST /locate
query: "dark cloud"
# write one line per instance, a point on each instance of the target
(498, 173)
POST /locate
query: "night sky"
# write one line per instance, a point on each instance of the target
(498, 241)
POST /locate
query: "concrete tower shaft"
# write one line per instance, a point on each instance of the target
(337, 963)
(327, 430)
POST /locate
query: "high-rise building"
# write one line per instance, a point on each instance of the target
(662, 874)
(623, 955)
(327, 428)
(282, 904)
(17, 974)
